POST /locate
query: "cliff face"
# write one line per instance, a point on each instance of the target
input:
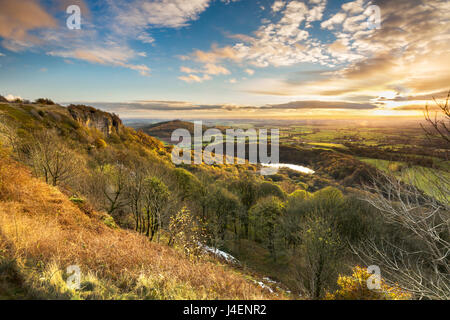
(93, 118)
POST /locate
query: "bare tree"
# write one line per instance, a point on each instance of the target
(155, 198)
(419, 264)
(8, 133)
(112, 181)
(421, 268)
(135, 193)
(439, 124)
(51, 158)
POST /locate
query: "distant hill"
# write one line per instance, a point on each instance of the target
(164, 130)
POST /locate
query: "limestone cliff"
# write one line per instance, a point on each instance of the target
(93, 118)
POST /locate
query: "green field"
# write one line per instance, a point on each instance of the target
(428, 180)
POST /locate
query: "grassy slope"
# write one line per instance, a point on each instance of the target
(42, 232)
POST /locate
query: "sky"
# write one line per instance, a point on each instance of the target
(257, 59)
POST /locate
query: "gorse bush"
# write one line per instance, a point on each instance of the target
(355, 287)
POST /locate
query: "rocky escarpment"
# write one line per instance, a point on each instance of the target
(90, 117)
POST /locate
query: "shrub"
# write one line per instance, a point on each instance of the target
(355, 287)
(44, 101)
(100, 143)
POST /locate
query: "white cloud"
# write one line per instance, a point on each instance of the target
(409, 54)
(188, 70)
(278, 5)
(112, 55)
(213, 69)
(11, 97)
(283, 42)
(337, 19)
(194, 78)
(249, 71)
(159, 13)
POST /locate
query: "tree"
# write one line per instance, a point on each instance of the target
(265, 216)
(291, 220)
(8, 132)
(45, 101)
(134, 194)
(266, 189)
(319, 252)
(420, 265)
(111, 180)
(439, 125)
(186, 182)
(155, 197)
(246, 189)
(225, 207)
(186, 230)
(51, 158)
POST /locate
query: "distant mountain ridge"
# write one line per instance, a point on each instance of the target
(164, 130)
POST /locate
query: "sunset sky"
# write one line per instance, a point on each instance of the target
(229, 58)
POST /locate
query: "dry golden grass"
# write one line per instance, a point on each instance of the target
(43, 233)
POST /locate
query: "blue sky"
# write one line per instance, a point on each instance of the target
(225, 58)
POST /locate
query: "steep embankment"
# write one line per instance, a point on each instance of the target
(42, 233)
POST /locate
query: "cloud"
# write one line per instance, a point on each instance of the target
(417, 107)
(113, 55)
(283, 42)
(188, 70)
(208, 70)
(169, 106)
(216, 54)
(18, 19)
(213, 69)
(278, 5)
(337, 19)
(322, 105)
(194, 78)
(159, 13)
(133, 20)
(11, 97)
(409, 56)
(156, 105)
(249, 71)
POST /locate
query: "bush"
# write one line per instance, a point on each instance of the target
(100, 143)
(44, 101)
(355, 287)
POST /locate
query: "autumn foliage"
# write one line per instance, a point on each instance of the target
(355, 287)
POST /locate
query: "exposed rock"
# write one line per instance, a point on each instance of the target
(93, 118)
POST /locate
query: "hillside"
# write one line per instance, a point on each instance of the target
(49, 231)
(77, 187)
(42, 232)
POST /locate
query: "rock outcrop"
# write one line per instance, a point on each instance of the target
(93, 118)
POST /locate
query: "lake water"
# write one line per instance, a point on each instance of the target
(290, 166)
